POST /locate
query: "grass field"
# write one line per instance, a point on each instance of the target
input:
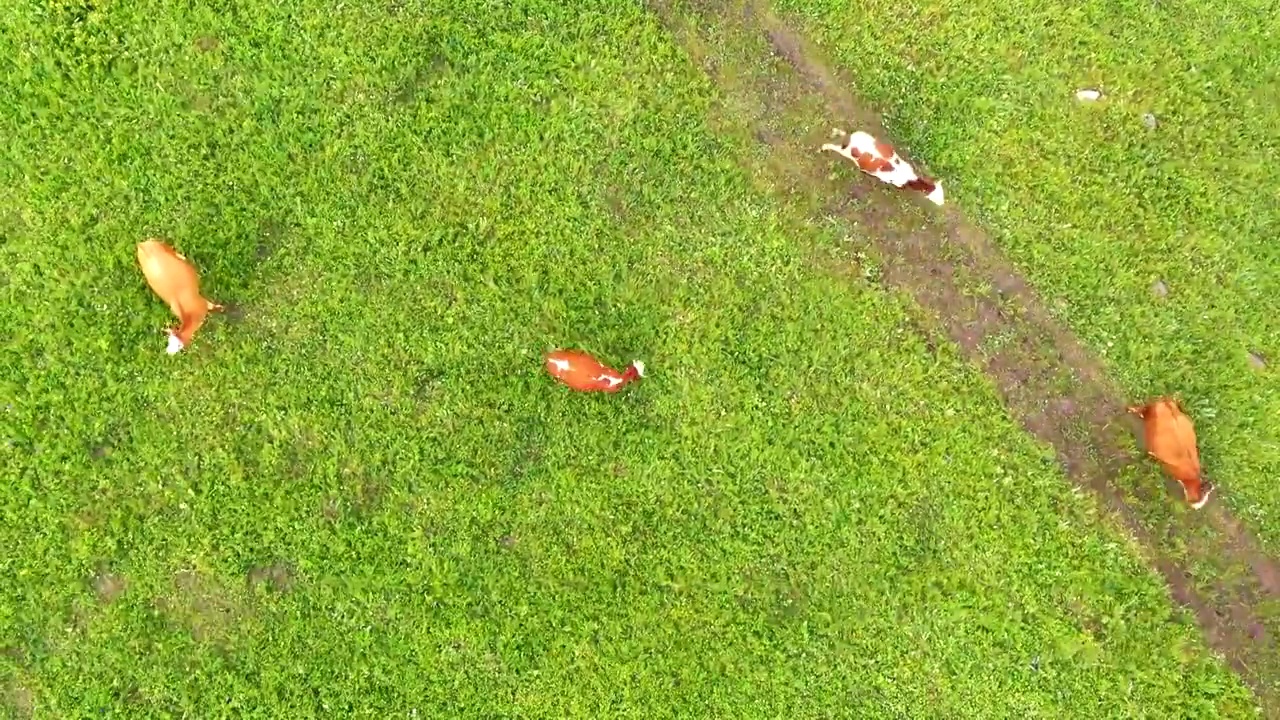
(1157, 245)
(358, 494)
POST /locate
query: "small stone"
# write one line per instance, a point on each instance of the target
(1257, 360)
(1088, 95)
(1159, 289)
(1150, 121)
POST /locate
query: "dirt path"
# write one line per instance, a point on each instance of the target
(776, 89)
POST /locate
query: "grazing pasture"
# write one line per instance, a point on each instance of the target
(1147, 219)
(358, 493)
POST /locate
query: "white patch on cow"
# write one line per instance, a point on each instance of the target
(559, 364)
(936, 195)
(1204, 498)
(613, 380)
(639, 366)
(175, 344)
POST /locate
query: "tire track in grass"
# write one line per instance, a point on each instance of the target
(783, 100)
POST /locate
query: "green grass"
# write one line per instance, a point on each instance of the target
(1095, 206)
(801, 512)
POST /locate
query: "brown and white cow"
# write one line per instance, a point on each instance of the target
(881, 161)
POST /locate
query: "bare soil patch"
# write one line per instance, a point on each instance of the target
(21, 701)
(277, 576)
(108, 586)
(203, 606)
